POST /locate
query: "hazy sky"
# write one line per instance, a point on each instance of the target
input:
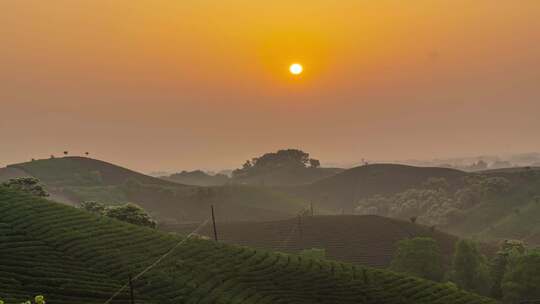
(161, 84)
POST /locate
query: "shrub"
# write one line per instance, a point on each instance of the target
(522, 278)
(93, 206)
(131, 213)
(470, 270)
(37, 300)
(29, 185)
(420, 257)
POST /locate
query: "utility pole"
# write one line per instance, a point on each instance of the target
(131, 290)
(300, 226)
(214, 223)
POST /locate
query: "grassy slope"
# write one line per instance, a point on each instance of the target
(360, 239)
(9, 173)
(82, 171)
(82, 179)
(510, 215)
(343, 190)
(75, 257)
(513, 215)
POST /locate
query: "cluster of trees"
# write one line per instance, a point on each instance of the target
(512, 275)
(37, 300)
(130, 213)
(290, 158)
(29, 185)
(435, 203)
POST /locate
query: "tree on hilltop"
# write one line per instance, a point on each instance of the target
(289, 159)
(314, 163)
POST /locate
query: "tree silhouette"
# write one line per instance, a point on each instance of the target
(314, 163)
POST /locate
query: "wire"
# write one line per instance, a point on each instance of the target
(157, 261)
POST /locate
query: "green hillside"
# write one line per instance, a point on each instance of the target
(492, 205)
(342, 191)
(287, 176)
(514, 214)
(71, 256)
(80, 179)
(360, 239)
(198, 178)
(82, 171)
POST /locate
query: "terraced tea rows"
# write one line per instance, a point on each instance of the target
(360, 239)
(75, 257)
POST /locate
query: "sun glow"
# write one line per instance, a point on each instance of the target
(296, 69)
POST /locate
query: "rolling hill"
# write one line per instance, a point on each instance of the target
(287, 176)
(509, 214)
(514, 214)
(360, 239)
(198, 178)
(343, 190)
(72, 256)
(77, 179)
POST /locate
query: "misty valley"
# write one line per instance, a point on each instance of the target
(280, 227)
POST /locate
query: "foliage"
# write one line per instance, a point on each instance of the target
(470, 270)
(498, 265)
(131, 213)
(314, 163)
(420, 257)
(27, 184)
(509, 249)
(80, 258)
(290, 158)
(316, 253)
(522, 278)
(436, 183)
(516, 246)
(37, 300)
(93, 206)
(434, 203)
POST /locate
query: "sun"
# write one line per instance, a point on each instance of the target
(296, 69)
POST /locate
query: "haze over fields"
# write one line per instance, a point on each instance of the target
(161, 85)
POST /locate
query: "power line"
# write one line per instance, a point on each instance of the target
(157, 261)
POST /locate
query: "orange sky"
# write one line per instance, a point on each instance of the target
(159, 84)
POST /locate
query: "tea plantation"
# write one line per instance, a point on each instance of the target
(71, 256)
